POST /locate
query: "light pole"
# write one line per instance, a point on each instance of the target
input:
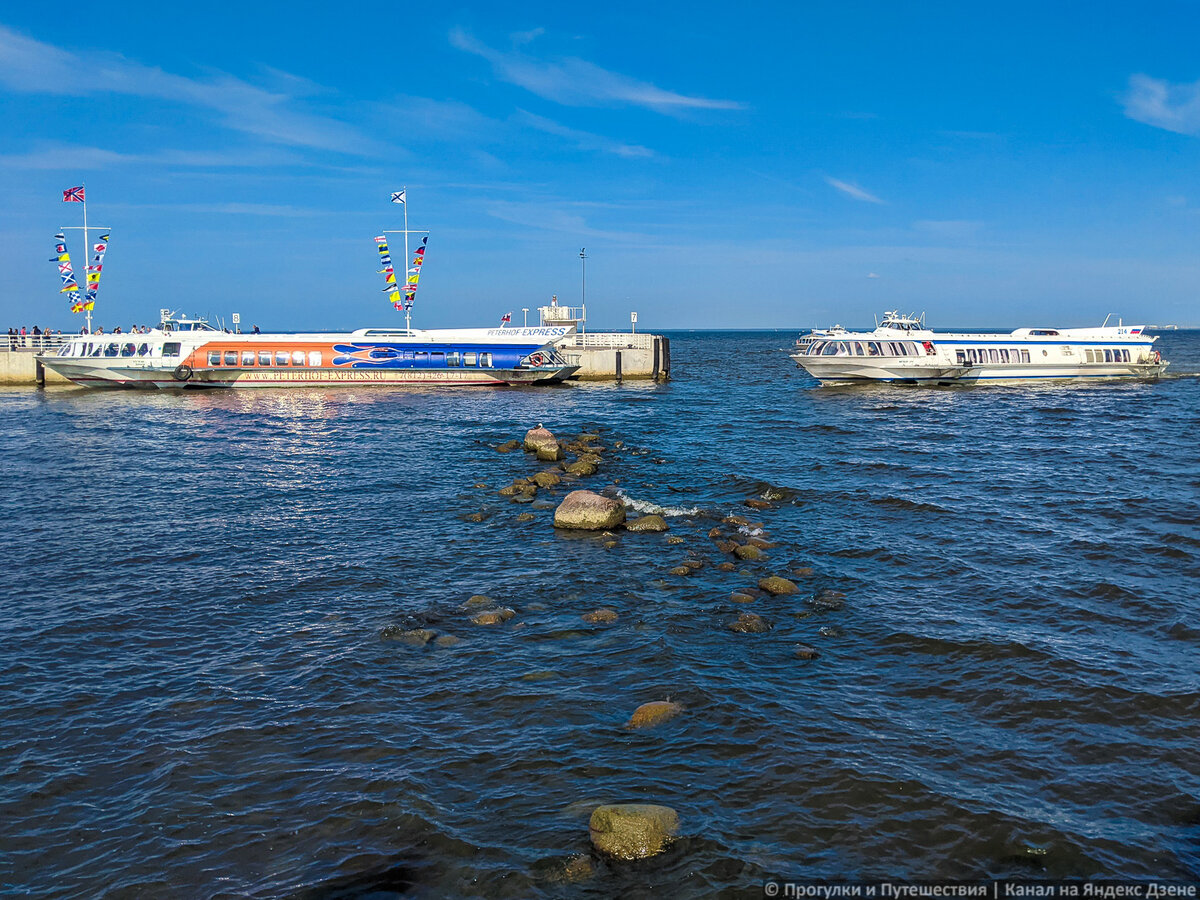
(525, 310)
(583, 260)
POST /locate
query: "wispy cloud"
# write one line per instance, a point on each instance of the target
(31, 66)
(853, 190)
(50, 156)
(576, 82)
(1157, 102)
(527, 37)
(584, 140)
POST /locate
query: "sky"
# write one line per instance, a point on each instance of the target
(764, 165)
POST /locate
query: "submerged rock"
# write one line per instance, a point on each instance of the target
(760, 543)
(681, 570)
(546, 479)
(493, 616)
(447, 640)
(674, 539)
(776, 585)
(632, 830)
(508, 446)
(416, 637)
(475, 517)
(803, 651)
(716, 533)
(694, 564)
(747, 551)
(749, 623)
(510, 490)
(727, 546)
(647, 523)
(726, 567)
(739, 597)
(755, 503)
(802, 571)
(602, 616)
(477, 600)
(829, 599)
(588, 511)
(739, 521)
(526, 517)
(774, 493)
(653, 713)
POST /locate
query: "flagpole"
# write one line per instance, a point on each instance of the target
(404, 297)
(86, 256)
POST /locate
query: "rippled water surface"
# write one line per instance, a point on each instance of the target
(196, 700)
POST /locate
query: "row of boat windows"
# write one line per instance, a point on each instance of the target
(250, 358)
(116, 348)
(868, 348)
(998, 355)
(1106, 355)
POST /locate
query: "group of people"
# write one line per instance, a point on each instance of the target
(25, 337)
(133, 329)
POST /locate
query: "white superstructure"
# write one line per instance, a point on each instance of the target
(903, 350)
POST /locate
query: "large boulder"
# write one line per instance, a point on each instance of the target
(588, 511)
(647, 523)
(540, 441)
(632, 830)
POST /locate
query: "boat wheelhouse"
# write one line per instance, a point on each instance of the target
(902, 350)
(187, 352)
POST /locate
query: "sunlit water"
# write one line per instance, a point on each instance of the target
(195, 699)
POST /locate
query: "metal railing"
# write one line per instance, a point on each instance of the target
(611, 340)
(34, 343)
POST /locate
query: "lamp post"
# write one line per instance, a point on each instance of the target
(525, 310)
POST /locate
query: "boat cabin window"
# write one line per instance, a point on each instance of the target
(128, 349)
(469, 359)
(214, 357)
(171, 348)
(437, 359)
(231, 357)
(297, 357)
(247, 358)
(815, 348)
(485, 360)
(111, 350)
(1124, 356)
(281, 357)
(264, 357)
(1043, 331)
(453, 360)
(422, 357)
(314, 357)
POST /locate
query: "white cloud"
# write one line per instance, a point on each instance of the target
(31, 66)
(527, 37)
(576, 82)
(872, 275)
(853, 190)
(584, 140)
(1157, 102)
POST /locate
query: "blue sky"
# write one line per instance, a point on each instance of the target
(769, 165)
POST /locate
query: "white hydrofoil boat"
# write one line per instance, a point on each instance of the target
(901, 350)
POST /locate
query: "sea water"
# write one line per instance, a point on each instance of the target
(196, 699)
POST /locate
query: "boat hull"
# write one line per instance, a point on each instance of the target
(95, 374)
(842, 370)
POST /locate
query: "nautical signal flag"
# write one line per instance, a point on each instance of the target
(73, 195)
(506, 318)
(398, 196)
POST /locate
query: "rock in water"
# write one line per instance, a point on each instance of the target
(546, 479)
(632, 830)
(582, 468)
(508, 446)
(477, 600)
(647, 523)
(749, 623)
(803, 651)
(829, 599)
(674, 539)
(601, 616)
(446, 640)
(493, 616)
(653, 713)
(681, 570)
(747, 551)
(726, 567)
(539, 437)
(777, 585)
(416, 637)
(588, 511)
(755, 503)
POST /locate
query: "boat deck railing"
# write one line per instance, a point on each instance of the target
(611, 340)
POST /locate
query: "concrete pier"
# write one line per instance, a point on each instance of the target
(21, 366)
(609, 356)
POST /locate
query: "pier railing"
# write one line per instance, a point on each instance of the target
(610, 340)
(34, 343)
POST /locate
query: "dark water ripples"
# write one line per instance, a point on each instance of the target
(196, 700)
